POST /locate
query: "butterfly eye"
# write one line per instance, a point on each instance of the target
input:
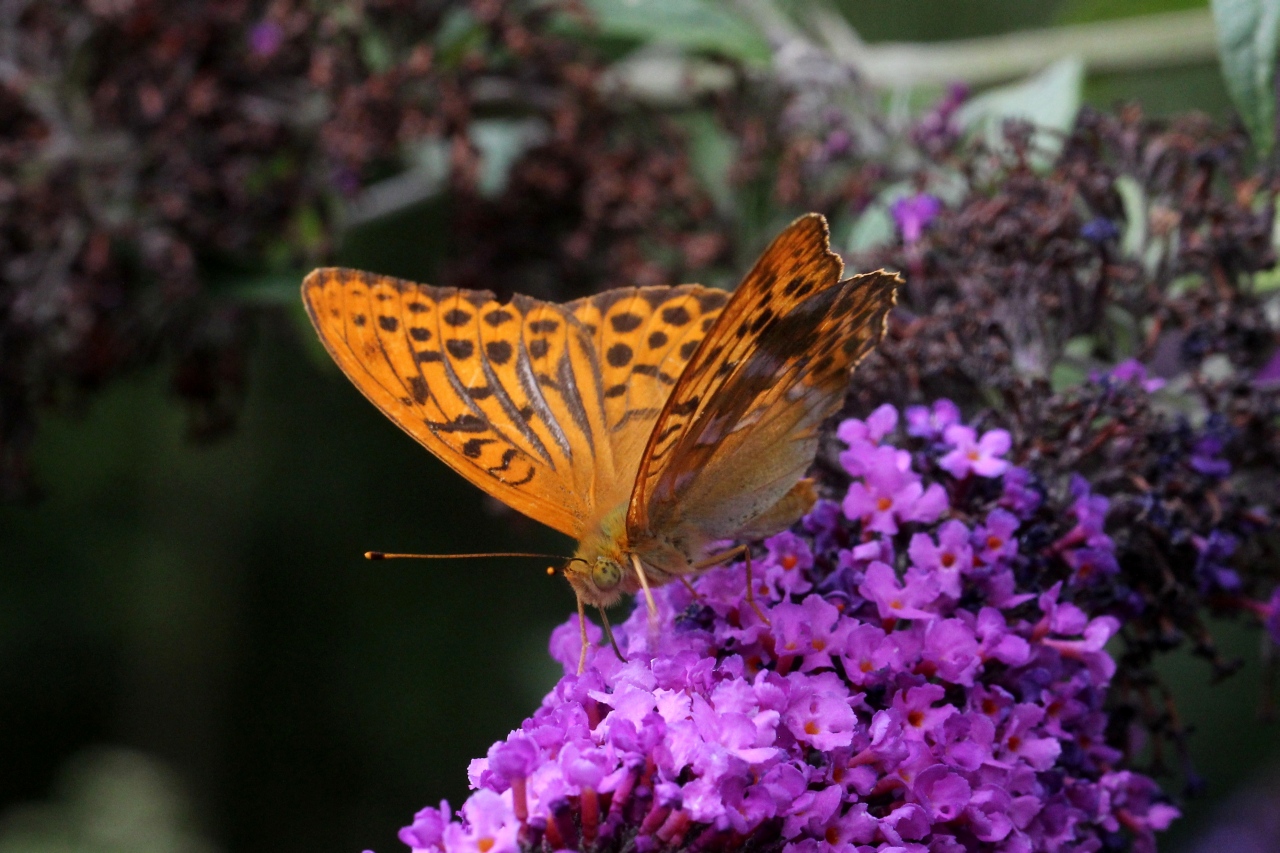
(606, 574)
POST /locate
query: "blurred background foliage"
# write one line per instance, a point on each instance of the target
(193, 656)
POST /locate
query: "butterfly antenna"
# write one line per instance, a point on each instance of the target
(382, 555)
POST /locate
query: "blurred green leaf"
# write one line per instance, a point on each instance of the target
(712, 152)
(458, 35)
(1247, 48)
(1134, 200)
(696, 25)
(1080, 347)
(1088, 11)
(375, 51)
(309, 228)
(1049, 100)
(501, 142)
(1066, 375)
(1124, 331)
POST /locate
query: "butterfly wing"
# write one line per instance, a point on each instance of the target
(514, 397)
(741, 426)
(642, 338)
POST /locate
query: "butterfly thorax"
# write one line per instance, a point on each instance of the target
(603, 568)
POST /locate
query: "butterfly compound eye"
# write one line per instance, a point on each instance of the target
(606, 574)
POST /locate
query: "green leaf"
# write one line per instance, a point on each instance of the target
(696, 25)
(458, 35)
(1247, 32)
(1065, 375)
(712, 152)
(1049, 100)
(1134, 200)
(375, 51)
(501, 143)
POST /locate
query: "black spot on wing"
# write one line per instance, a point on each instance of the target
(420, 334)
(498, 352)
(471, 448)
(418, 388)
(457, 317)
(619, 355)
(462, 423)
(652, 370)
(460, 348)
(688, 407)
(625, 322)
(676, 315)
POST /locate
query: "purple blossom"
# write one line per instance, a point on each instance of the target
(265, 38)
(913, 213)
(891, 493)
(1206, 456)
(900, 698)
(1269, 373)
(971, 454)
(1133, 370)
(930, 421)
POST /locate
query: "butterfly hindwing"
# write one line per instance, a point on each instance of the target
(741, 426)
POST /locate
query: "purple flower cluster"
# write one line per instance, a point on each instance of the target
(903, 695)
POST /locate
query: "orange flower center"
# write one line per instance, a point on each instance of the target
(948, 560)
(884, 504)
(811, 728)
(789, 562)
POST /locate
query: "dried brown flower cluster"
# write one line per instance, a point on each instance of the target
(156, 147)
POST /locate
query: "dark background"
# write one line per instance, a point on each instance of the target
(193, 628)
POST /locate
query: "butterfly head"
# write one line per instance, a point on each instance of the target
(598, 582)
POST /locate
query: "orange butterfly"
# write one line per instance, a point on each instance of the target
(644, 422)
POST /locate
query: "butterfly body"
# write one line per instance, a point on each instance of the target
(647, 423)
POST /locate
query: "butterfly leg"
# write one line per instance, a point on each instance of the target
(608, 632)
(648, 597)
(644, 584)
(743, 551)
(696, 595)
(582, 624)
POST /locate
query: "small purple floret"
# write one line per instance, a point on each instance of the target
(913, 214)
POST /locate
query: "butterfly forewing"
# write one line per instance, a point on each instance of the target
(740, 427)
(643, 337)
(521, 398)
(453, 369)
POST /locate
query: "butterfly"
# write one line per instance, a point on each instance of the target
(648, 423)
